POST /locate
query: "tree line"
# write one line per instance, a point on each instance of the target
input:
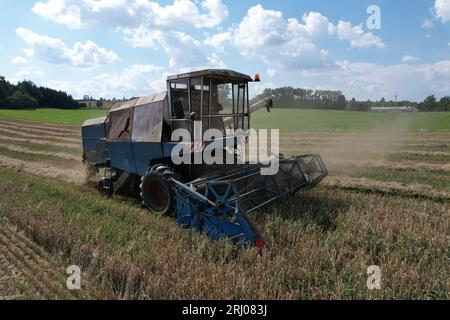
(298, 98)
(432, 104)
(26, 94)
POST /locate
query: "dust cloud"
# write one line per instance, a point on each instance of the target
(345, 153)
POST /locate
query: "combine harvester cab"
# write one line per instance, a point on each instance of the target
(133, 148)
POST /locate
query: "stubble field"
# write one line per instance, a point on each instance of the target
(386, 203)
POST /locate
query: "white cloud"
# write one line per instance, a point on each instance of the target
(356, 36)
(372, 81)
(265, 34)
(441, 68)
(409, 58)
(315, 25)
(60, 11)
(133, 81)
(19, 60)
(145, 23)
(267, 27)
(427, 24)
(159, 85)
(29, 73)
(55, 51)
(442, 10)
(133, 13)
(182, 49)
(218, 41)
(289, 44)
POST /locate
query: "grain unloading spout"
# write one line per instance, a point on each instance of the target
(219, 205)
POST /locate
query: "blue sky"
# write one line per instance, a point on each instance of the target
(124, 48)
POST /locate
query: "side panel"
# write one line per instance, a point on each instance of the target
(121, 155)
(93, 137)
(133, 157)
(148, 122)
(144, 153)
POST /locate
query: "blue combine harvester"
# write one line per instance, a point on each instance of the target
(133, 149)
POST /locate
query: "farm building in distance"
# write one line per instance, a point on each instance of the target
(394, 109)
(105, 104)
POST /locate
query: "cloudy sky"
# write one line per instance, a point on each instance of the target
(117, 48)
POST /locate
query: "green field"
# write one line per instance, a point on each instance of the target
(58, 116)
(327, 120)
(284, 119)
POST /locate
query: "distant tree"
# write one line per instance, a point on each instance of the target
(289, 97)
(341, 102)
(5, 91)
(429, 104)
(444, 104)
(29, 88)
(22, 100)
(224, 94)
(45, 97)
(99, 103)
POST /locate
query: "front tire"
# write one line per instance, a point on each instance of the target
(158, 190)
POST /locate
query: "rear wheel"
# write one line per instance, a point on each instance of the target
(157, 190)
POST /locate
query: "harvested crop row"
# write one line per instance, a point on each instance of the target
(62, 127)
(412, 165)
(21, 134)
(321, 244)
(425, 153)
(39, 131)
(32, 266)
(74, 175)
(375, 138)
(60, 155)
(37, 159)
(392, 188)
(369, 152)
(41, 142)
(41, 126)
(375, 134)
(41, 147)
